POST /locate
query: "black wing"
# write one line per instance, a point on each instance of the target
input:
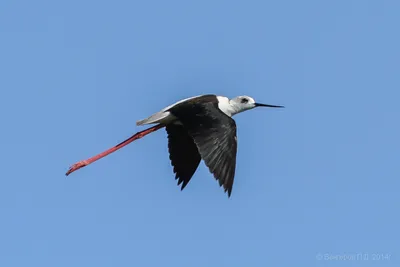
(215, 136)
(183, 153)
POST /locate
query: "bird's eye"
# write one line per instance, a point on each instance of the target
(244, 100)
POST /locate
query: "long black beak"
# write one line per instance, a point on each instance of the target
(266, 105)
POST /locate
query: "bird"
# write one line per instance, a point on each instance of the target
(198, 128)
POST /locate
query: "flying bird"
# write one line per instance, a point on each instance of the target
(200, 127)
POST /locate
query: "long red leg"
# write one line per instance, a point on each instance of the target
(134, 137)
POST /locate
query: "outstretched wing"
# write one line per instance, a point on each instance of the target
(183, 153)
(215, 136)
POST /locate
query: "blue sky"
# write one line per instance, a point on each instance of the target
(320, 177)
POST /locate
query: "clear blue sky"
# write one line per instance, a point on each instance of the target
(321, 176)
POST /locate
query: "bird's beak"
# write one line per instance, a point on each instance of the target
(266, 105)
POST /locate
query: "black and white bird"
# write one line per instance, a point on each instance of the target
(199, 127)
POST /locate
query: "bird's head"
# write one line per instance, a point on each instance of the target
(243, 103)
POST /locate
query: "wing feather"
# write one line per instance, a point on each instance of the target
(184, 156)
(214, 134)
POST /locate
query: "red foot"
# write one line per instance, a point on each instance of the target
(77, 166)
(138, 135)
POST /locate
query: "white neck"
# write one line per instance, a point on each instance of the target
(226, 106)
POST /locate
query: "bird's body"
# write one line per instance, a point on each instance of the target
(199, 127)
(166, 116)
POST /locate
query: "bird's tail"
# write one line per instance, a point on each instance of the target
(159, 117)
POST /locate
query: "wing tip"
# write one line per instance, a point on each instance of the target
(228, 190)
